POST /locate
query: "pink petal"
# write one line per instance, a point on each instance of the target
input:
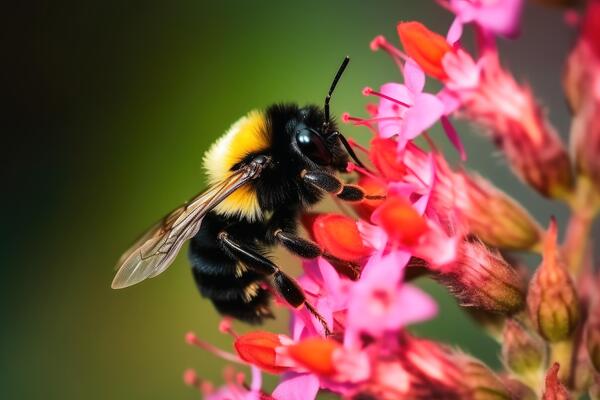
(414, 77)
(436, 247)
(297, 387)
(331, 279)
(463, 72)
(372, 235)
(453, 137)
(416, 305)
(326, 310)
(426, 110)
(501, 18)
(449, 99)
(455, 31)
(385, 270)
(387, 108)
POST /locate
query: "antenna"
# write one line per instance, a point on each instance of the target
(333, 85)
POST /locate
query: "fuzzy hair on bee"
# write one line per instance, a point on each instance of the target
(263, 173)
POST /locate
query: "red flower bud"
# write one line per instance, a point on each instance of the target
(340, 237)
(427, 48)
(400, 220)
(482, 278)
(552, 298)
(522, 351)
(315, 354)
(258, 348)
(554, 389)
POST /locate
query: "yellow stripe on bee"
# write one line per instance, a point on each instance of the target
(248, 135)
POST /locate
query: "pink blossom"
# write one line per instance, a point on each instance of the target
(498, 17)
(422, 110)
(327, 291)
(380, 303)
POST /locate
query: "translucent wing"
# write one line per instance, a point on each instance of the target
(156, 249)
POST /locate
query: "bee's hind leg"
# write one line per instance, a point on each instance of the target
(284, 284)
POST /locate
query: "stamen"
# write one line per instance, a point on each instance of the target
(346, 118)
(226, 328)
(370, 92)
(380, 42)
(353, 167)
(368, 121)
(357, 145)
(194, 340)
(191, 378)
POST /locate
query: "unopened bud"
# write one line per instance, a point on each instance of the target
(522, 352)
(424, 46)
(518, 390)
(259, 348)
(517, 124)
(484, 384)
(491, 215)
(583, 61)
(552, 297)
(554, 390)
(438, 372)
(581, 82)
(585, 141)
(482, 278)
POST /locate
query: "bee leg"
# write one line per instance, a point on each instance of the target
(285, 285)
(331, 184)
(309, 249)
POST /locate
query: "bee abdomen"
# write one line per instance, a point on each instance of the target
(241, 297)
(234, 290)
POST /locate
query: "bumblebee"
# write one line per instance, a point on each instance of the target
(267, 169)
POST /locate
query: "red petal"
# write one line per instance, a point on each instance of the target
(258, 348)
(400, 220)
(385, 158)
(339, 236)
(427, 48)
(316, 354)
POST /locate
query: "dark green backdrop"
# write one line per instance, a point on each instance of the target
(112, 105)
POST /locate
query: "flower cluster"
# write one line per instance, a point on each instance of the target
(428, 218)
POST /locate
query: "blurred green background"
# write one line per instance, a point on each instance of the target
(111, 106)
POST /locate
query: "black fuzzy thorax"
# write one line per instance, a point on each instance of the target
(282, 195)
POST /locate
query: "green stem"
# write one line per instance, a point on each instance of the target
(562, 353)
(585, 205)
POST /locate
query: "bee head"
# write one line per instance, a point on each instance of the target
(322, 142)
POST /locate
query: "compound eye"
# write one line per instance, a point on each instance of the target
(311, 144)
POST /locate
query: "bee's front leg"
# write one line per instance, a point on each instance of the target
(308, 249)
(331, 184)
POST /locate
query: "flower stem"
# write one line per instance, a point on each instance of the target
(585, 205)
(562, 353)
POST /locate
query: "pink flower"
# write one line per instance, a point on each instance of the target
(297, 386)
(327, 292)
(380, 302)
(421, 111)
(498, 17)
